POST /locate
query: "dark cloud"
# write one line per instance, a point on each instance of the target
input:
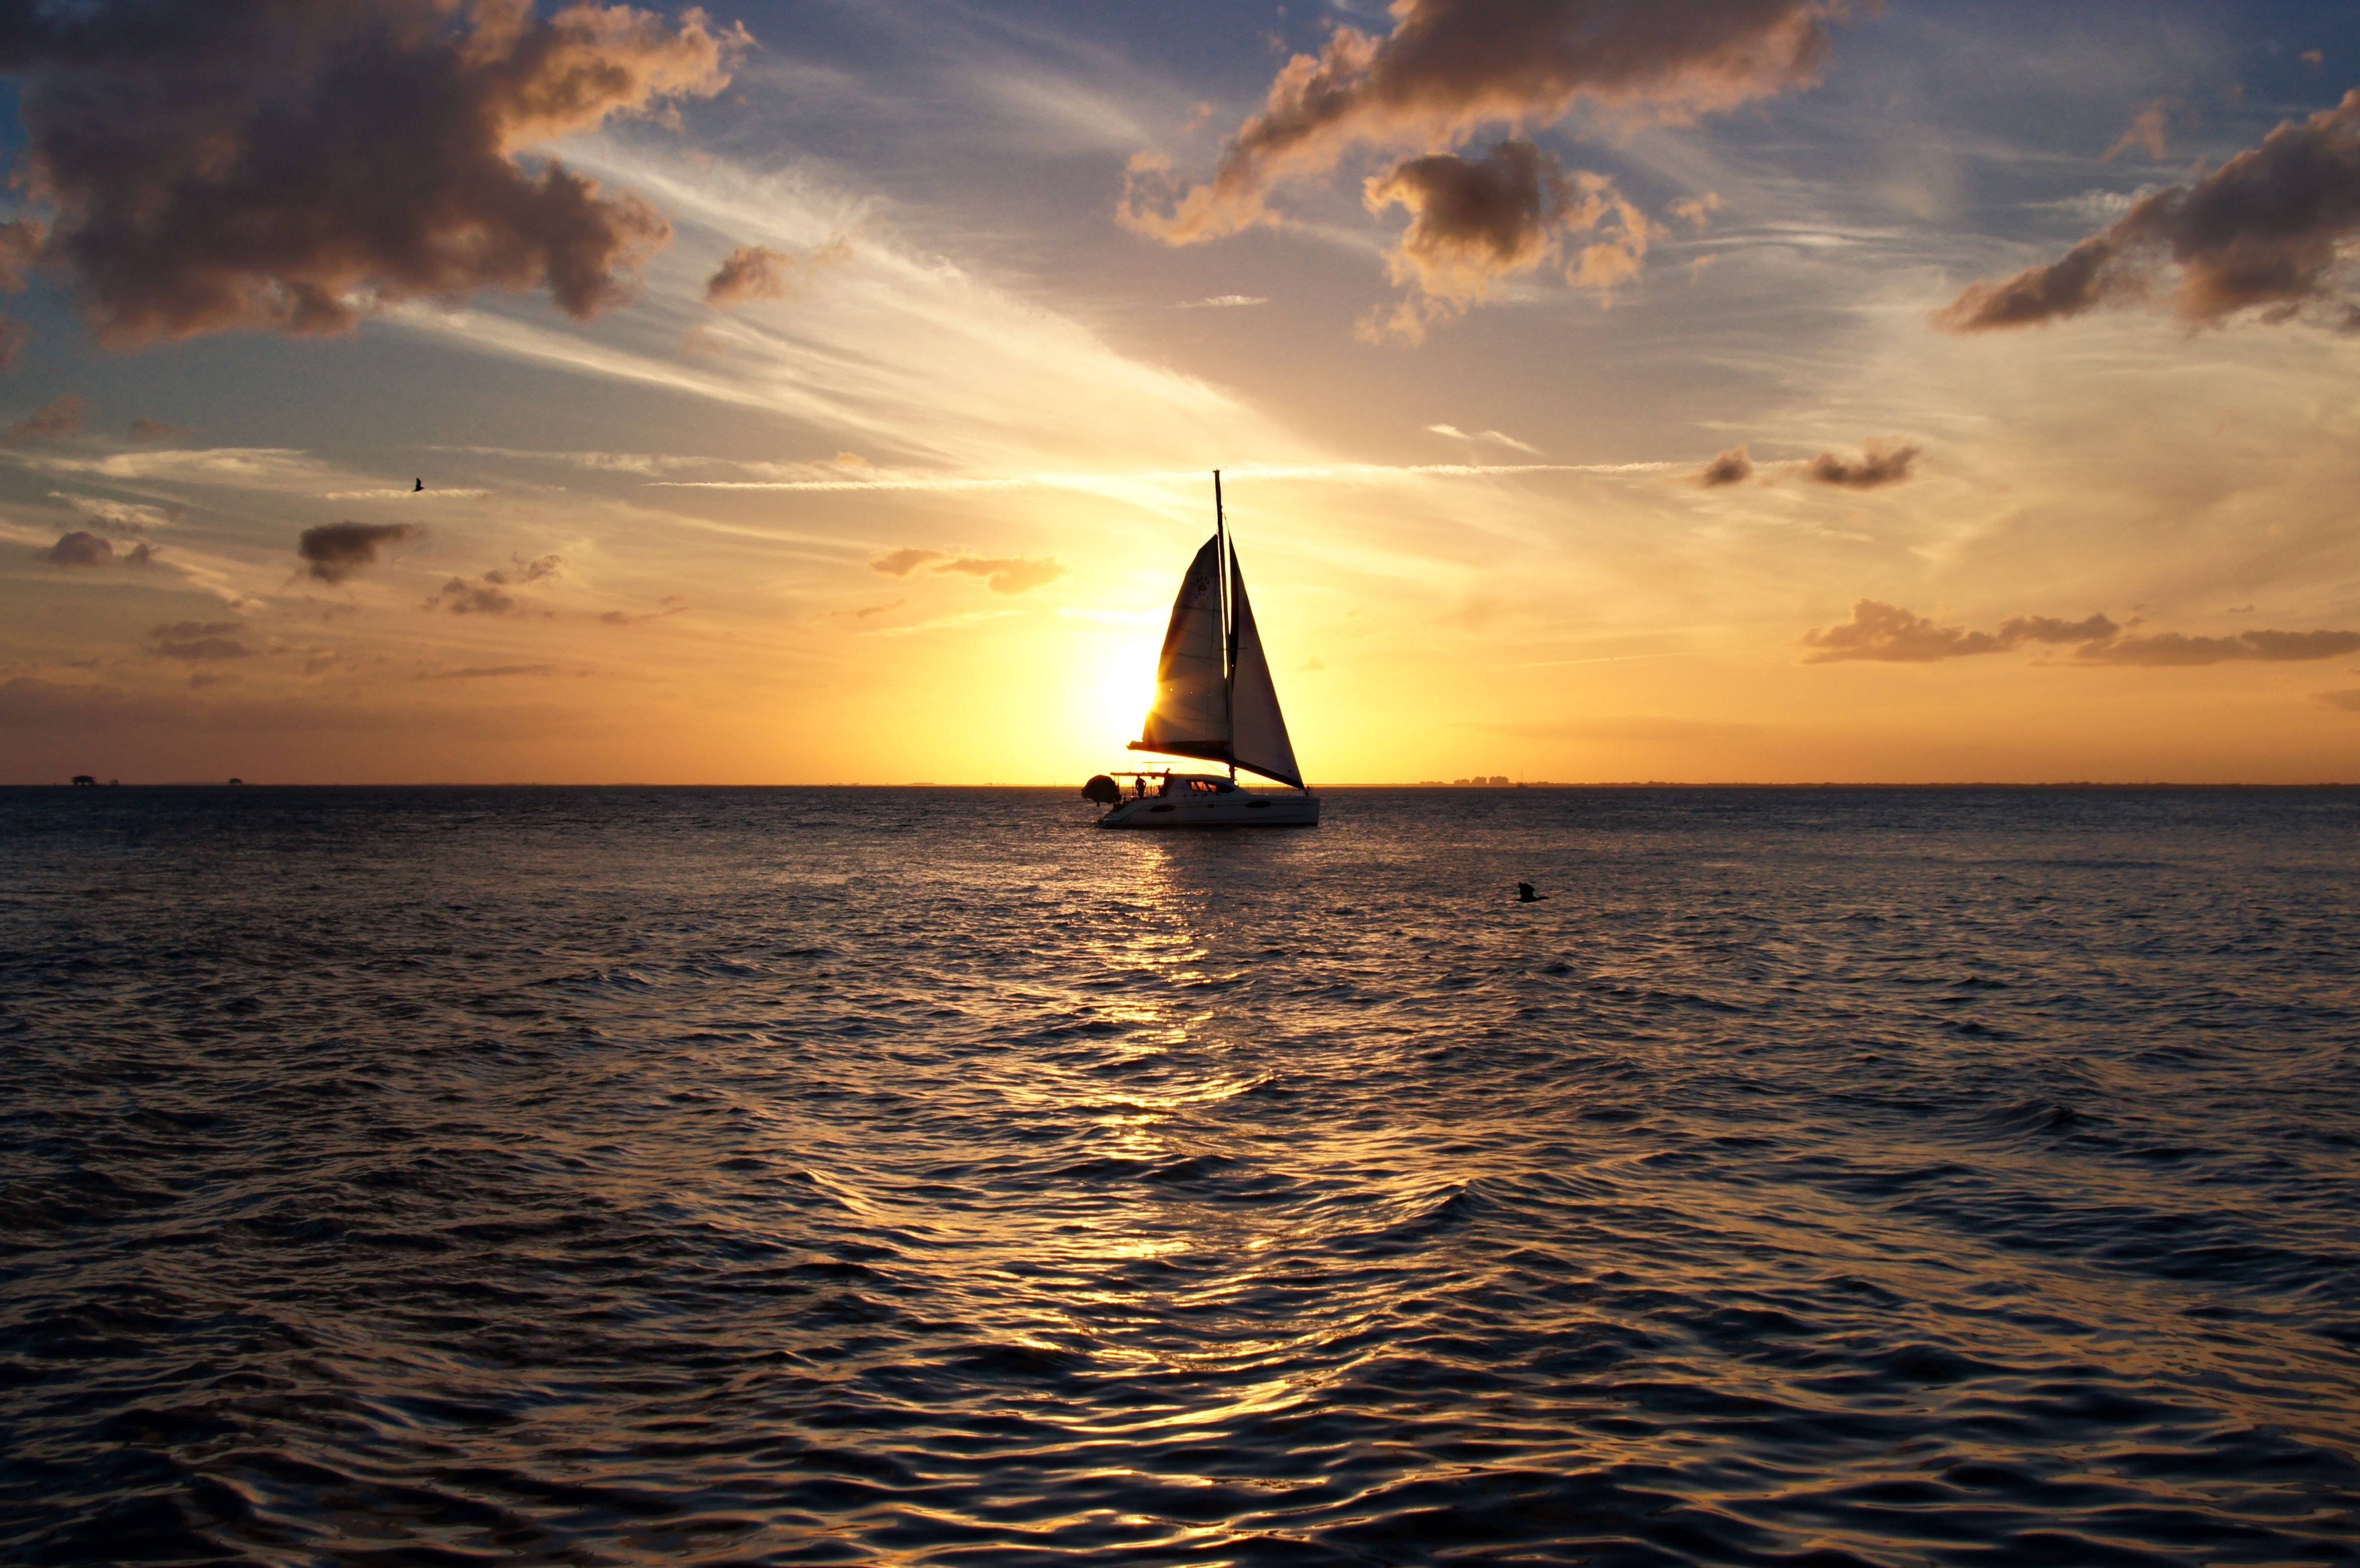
(1891, 635)
(200, 641)
(337, 550)
(14, 336)
(288, 164)
(462, 597)
(1475, 219)
(1451, 65)
(758, 272)
(2262, 231)
(148, 431)
(1887, 634)
(524, 571)
(1880, 464)
(59, 417)
(1008, 575)
(2349, 701)
(1732, 467)
(80, 549)
(901, 562)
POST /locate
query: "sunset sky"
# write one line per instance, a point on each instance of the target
(1774, 390)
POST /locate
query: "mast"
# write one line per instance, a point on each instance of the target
(1229, 628)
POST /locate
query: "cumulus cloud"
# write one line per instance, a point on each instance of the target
(901, 562)
(2262, 231)
(80, 549)
(1450, 66)
(198, 641)
(1474, 221)
(1732, 467)
(334, 551)
(1007, 574)
(216, 164)
(758, 272)
(1890, 635)
(59, 417)
(1880, 464)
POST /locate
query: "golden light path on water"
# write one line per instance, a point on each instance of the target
(926, 1177)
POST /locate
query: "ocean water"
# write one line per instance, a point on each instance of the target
(921, 1177)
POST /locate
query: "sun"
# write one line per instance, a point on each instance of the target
(1120, 686)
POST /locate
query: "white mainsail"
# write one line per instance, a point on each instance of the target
(1257, 729)
(1191, 714)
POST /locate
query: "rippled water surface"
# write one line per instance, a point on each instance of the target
(922, 1177)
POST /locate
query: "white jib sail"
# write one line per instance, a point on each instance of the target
(1257, 729)
(1191, 714)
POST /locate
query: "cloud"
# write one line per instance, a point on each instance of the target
(1007, 574)
(1887, 634)
(465, 598)
(522, 570)
(877, 609)
(2262, 231)
(14, 336)
(80, 549)
(2171, 649)
(1697, 210)
(901, 562)
(250, 163)
(1474, 221)
(198, 641)
(1221, 302)
(59, 417)
(1891, 635)
(670, 605)
(149, 432)
(1499, 437)
(2348, 701)
(1732, 467)
(337, 550)
(1450, 66)
(1880, 464)
(758, 272)
(2145, 135)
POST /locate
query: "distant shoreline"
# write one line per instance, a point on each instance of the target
(2063, 785)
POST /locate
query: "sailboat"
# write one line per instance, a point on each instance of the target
(1214, 701)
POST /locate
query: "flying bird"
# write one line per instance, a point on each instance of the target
(416, 485)
(1525, 894)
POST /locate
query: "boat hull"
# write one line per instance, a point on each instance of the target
(1241, 808)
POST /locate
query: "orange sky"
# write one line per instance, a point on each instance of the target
(911, 504)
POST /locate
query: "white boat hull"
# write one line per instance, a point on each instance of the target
(1237, 808)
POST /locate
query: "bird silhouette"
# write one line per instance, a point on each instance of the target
(416, 485)
(1525, 894)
